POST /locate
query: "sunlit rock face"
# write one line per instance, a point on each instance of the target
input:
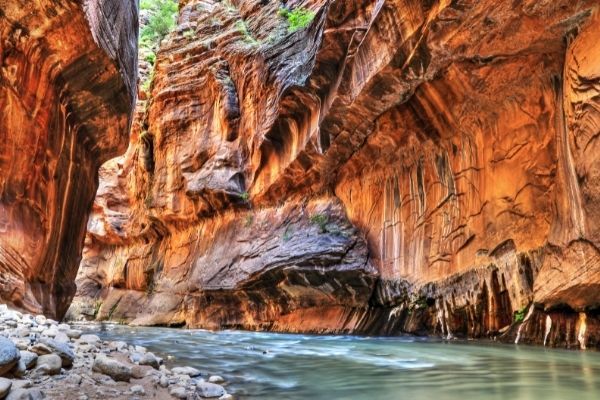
(67, 88)
(459, 138)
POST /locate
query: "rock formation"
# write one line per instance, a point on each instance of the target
(392, 166)
(67, 89)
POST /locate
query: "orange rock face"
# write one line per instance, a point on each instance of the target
(67, 87)
(460, 139)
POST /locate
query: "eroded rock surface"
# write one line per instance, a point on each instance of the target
(67, 89)
(459, 138)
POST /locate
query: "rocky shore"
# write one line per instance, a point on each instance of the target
(43, 359)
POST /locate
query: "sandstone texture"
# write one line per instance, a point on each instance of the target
(67, 91)
(393, 166)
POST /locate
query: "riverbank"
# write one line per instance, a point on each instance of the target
(43, 359)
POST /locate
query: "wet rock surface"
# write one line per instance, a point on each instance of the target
(94, 369)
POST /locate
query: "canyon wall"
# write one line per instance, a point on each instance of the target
(67, 90)
(393, 166)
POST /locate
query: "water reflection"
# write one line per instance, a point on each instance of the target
(278, 366)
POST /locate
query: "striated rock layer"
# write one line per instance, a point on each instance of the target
(67, 88)
(459, 138)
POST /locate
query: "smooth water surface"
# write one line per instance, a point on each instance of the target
(278, 366)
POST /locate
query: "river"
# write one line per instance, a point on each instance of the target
(271, 366)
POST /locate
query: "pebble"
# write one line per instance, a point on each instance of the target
(89, 339)
(74, 333)
(151, 360)
(189, 371)
(178, 392)
(163, 381)
(216, 379)
(138, 390)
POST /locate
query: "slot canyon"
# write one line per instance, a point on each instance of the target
(330, 167)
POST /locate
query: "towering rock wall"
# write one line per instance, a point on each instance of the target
(393, 166)
(67, 88)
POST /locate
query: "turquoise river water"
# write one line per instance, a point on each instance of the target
(271, 366)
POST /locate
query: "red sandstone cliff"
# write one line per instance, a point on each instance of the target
(67, 89)
(396, 165)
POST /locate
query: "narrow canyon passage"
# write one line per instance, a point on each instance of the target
(331, 167)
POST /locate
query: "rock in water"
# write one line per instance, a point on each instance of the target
(216, 379)
(209, 390)
(113, 368)
(9, 355)
(151, 360)
(189, 371)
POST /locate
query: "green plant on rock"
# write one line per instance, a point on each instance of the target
(113, 308)
(245, 196)
(150, 58)
(249, 221)
(163, 14)
(321, 220)
(287, 234)
(188, 34)
(243, 29)
(97, 306)
(298, 18)
(520, 315)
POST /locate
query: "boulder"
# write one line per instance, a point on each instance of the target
(62, 350)
(26, 394)
(48, 364)
(151, 360)
(9, 355)
(29, 358)
(113, 368)
(5, 385)
(209, 390)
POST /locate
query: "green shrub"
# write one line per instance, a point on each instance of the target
(520, 315)
(150, 58)
(245, 196)
(249, 220)
(321, 220)
(97, 306)
(243, 29)
(163, 15)
(298, 18)
(287, 234)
